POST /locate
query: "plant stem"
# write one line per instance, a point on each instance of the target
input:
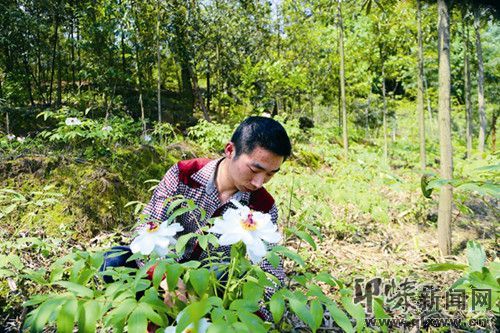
(229, 278)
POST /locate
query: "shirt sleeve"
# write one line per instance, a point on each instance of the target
(157, 208)
(278, 272)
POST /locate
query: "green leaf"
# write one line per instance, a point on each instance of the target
(252, 291)
(244, 305)
(89, 313)
(182, 241)
(475, 256)
(150, 313)
(193, 313)
(306, 237)
(203, 241)
(252, 321)
(317, 312)
(273, 259)
(289, 254)
(356, 311)
(424, 182)
(159, 273)
(118, 315)
(484, 280)
(199, 280)
(48, 309)
(340, 317)
(67, 316)
(179, 212)
(137, 322)
(76, 288)
(277, 306)
(300, 309)
(379, 312)
(174, 271)
(447, 266)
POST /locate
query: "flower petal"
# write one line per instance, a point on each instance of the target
(142, 244)
(269, 236)
(256, 251)
(229, 238)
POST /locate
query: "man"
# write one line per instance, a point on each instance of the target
(254, 155)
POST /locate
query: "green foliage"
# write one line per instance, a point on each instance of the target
(210, 136)
(99, 133)
(477, 274)
(78, 297)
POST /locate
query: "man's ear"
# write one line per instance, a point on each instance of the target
(229, 150)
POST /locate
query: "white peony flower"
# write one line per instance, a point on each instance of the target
(203, 326)
(248, 226)
(107, 128)
(73, 122)
(21, 139)
(154, 237)
(146, 138)
(11, 137)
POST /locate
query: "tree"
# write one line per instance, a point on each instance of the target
(467, 85)
(480, 80)
(342, 79)
(420, 90)
(446, 153)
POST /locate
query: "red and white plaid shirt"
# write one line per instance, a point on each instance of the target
(204, 193)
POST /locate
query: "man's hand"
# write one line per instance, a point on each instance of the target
(180, 293)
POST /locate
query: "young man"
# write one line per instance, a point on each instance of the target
(255, 153)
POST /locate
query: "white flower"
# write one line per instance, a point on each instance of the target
(21, 139)
(107, 128)
(146, 138)
(11, 137)
(154, 237)
(203, 326)
(73, 122)
(251, 227)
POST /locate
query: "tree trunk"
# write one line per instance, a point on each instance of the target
(446, 149)
(367, 112)
(54, 54)
(159, 63)
(494, 132)
(139, 84)
(480, 82)
(79, 62)
(420, 91)
(384, 114)
(429, 110)
(59, 80)
(72, 28)
(197, 93)
(27, 70)
(342, 79)
(208, 91)
(467, 87)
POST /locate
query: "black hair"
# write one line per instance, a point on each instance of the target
(261, 132)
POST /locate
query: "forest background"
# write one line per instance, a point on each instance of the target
(99, 98)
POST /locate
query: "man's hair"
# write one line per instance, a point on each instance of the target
(261, 132)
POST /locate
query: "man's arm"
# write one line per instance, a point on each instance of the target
(168, 186)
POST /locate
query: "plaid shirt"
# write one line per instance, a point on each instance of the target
(205, 196)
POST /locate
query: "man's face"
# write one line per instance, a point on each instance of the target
(250, 171)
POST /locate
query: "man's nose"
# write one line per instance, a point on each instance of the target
(258, 180)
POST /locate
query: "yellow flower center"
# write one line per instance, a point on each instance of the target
(249, 224)
(188, 330)
(152, 227)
